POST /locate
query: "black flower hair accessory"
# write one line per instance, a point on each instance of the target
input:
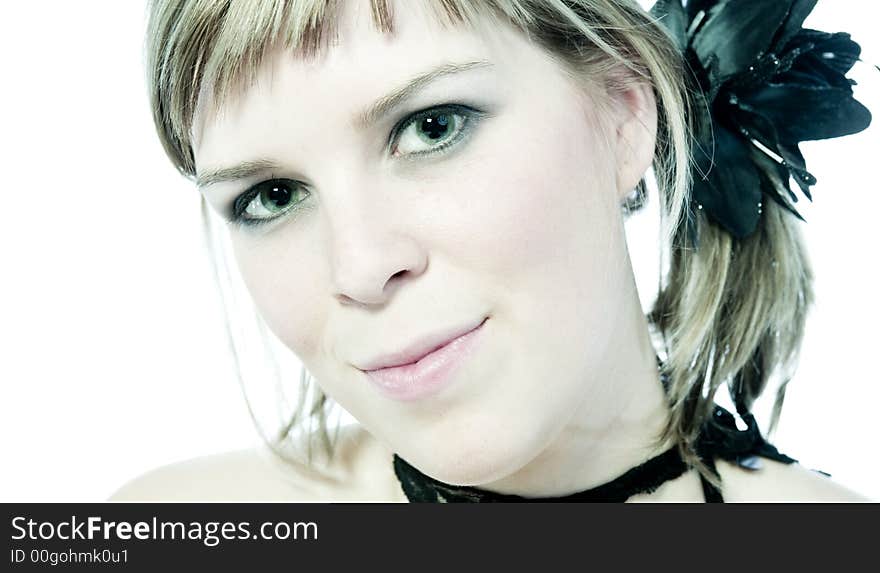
(765, 85)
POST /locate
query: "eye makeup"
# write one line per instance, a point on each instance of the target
(446, 125)
(246, 208)
(438, 129)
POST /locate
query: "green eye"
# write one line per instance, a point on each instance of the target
(267, 200)
(436, 127)
(432, 130)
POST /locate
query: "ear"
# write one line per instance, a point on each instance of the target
(636, 135)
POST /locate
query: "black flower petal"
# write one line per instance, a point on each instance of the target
(674, 19)
(803, 113)
(759, 130)
(736, 33)
(797, 13)
(837, 53)
(729, 189)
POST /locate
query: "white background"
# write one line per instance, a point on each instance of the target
(114, 356)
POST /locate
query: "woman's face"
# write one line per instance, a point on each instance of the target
(501, 203)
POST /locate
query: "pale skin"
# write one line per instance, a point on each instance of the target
(519, 220)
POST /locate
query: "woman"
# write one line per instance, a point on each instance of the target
(426, 202)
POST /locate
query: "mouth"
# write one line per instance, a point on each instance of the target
(419, 349)
(425, 368)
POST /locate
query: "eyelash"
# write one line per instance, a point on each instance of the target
(241, 203)
(470, 117)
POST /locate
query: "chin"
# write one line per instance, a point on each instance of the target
(474, 460)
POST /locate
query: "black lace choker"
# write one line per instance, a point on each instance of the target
(719, 437)
(644, 478)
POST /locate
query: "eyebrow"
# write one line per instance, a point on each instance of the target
(372, 114)
(243, 170)
(385, 105)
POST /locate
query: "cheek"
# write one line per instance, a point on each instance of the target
(281, 286)
(542, 238)
(540, 208)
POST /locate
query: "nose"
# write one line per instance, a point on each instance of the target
(372, 253)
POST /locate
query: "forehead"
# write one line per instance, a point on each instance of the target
(359, 63)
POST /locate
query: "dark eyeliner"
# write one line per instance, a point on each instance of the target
(240, 204)
(470, 115)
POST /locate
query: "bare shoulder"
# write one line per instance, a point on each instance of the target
(230, 476)
(257, 474)
(779, 482)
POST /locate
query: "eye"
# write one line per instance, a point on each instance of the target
(432, 130)
(267, 200)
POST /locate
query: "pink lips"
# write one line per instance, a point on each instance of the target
(424, 368)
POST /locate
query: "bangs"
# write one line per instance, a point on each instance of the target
(221, 46)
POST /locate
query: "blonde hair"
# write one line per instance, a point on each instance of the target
(729, 312)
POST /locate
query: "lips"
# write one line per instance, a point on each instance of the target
(427, 367)
(420, 348)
